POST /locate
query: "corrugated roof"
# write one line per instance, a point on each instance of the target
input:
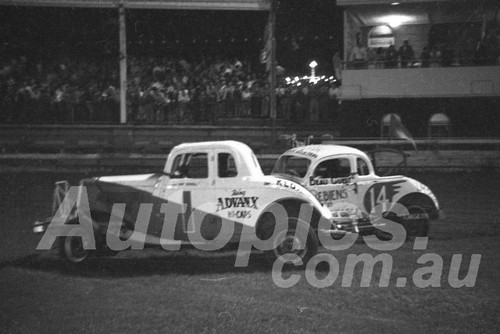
(151, 4)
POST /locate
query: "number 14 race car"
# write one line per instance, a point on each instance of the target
(343, 179)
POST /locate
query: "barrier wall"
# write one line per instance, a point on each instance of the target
(421, 82)
(133, 149)
(420, 161)
(262, 138)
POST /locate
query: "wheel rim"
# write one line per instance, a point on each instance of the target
(74, 249)
(286, 250)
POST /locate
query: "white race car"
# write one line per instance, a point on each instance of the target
(343, 179)
(209, 194)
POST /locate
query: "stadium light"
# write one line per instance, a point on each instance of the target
(313, 65)
(395, 21)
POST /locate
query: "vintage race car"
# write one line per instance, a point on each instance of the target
(209, 194)
(343, 179)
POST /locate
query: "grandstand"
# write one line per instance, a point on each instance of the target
(186, 82)
(458, 74)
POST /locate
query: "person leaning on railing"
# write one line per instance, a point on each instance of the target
(406, 54)
(359, 56)
(391, 57)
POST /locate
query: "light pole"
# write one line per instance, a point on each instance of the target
(313, 65)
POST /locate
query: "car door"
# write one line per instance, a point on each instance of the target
(234, 198)
(189, 186)
(364, 178)
(332, 182)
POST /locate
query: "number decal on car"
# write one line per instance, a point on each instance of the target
(381, 193)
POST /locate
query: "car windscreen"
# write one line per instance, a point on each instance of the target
(291, 165)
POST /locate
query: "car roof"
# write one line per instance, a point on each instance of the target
(231, 144)
(249, 165)
(321, 151)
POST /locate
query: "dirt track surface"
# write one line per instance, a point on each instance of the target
(191, 292)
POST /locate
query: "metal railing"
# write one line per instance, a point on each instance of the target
(398, 63)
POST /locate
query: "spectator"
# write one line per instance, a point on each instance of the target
(246, 96)
(230, 103)
(82, 90)
(406, 54)
(314, 103)
(323, 102)
(359, 56)
(302, 103)
(391, 57)
(337, 65)
(280, 100)
(425, 57)
(211, 90)
(237, 98)
(379, 58)
(183, 99)
(332, 101)
(264, 93)
(436, 56)
(221, 98)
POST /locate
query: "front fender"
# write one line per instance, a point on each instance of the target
(297, 191)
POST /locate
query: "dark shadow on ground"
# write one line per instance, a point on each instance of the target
(130, 264)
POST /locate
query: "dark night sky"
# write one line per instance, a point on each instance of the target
(315, 25)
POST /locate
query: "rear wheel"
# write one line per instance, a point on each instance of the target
(417, 222)
(74, 247)
(294, 244)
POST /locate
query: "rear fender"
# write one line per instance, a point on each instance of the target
(423, 201)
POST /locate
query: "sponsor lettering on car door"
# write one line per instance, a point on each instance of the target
(332, 182)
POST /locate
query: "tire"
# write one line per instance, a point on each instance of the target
(382, 235)
(307, 249)
(72, 248)
(417, 222)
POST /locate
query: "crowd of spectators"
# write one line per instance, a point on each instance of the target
(487, 52)
(53, 91)
(160, 90)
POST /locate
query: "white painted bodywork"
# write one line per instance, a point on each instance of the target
(355, 195)
(238, 199)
